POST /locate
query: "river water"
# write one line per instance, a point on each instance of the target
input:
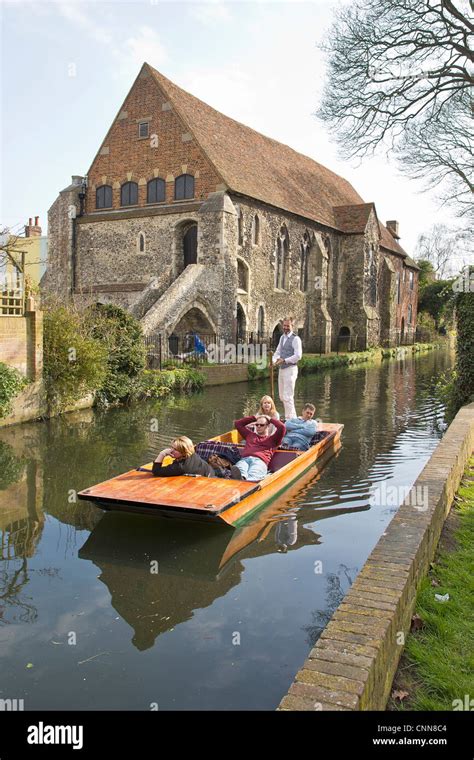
(231, 615)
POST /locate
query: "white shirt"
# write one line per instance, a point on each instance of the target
(297, 349)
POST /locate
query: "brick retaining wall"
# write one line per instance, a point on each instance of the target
(222, 374)
(354, 661)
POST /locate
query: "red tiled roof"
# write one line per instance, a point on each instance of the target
(259, 167)
(354, 218)
(388, 241)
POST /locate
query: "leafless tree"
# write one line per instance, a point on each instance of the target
(399, 73)
(445, 248)
(10, 250)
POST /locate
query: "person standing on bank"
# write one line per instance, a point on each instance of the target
(286, 358)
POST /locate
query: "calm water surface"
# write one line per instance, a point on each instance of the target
(231, 614)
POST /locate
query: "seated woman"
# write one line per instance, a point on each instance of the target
(300, 430)
(268, 408)
(186, 461)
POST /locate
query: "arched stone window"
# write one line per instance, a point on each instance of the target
(327, 246)
(241, 324)
(184, 187)
(156, 191)
(304, 264)
(261, 322)
(242, 276)
(240, 228)
(276, 335)
(103, 197)
(141, 243)
(256, 230)
(190, 245)
(282, 258)
(371, 285)
(129, 194)
(410, 315)
(344, 339)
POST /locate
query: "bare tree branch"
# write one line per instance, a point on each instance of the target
(398, 68)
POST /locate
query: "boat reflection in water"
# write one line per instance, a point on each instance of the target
(158, 571)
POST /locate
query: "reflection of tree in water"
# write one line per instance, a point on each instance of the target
(337, 587)
(11, 466)
(11, 586)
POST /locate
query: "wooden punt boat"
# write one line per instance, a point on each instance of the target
(213, 500)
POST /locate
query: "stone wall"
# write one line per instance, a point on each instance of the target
(311, 308)
(354, 661)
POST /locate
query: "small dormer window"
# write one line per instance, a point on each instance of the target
(143, 129)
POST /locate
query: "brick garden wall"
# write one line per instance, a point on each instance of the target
(13, 342)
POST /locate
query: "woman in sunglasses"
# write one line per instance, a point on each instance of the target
(259, 446)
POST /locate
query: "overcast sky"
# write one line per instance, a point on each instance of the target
(67, 67)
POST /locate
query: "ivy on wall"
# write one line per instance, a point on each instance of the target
(11, 383)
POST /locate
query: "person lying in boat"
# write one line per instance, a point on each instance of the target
(259, 447)
(300, 430)
(267, 406)
(186, 461)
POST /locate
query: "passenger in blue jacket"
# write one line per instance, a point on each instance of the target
(300, 430)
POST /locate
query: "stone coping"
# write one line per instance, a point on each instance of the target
(354, 661)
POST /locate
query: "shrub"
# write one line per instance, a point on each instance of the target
(75, 362)
(463, 391)
(156, 384)
(121, 334)
(11, 383)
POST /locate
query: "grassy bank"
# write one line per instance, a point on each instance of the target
(436, 671)
(315, 362)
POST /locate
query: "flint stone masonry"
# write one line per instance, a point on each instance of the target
(354, 662)
(352, 265)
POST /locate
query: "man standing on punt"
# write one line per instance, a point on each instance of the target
(286, 358)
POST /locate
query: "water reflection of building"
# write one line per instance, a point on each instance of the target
(21, 516)
(21, 526)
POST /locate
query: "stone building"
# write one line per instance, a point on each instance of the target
(192, 220)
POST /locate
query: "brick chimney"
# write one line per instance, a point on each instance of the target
(393, 228)
(33, 230)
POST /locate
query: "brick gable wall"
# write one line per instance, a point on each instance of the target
(124, 156)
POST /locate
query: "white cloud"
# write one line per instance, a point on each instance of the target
(211, 13)
(72, 12)
(145, 46)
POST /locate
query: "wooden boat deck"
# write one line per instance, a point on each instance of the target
(208, 498)
(180, 492)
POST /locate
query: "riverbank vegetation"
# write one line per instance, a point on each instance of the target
(436, 670)
(101, 351)
(11, 383)
(315, 362)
